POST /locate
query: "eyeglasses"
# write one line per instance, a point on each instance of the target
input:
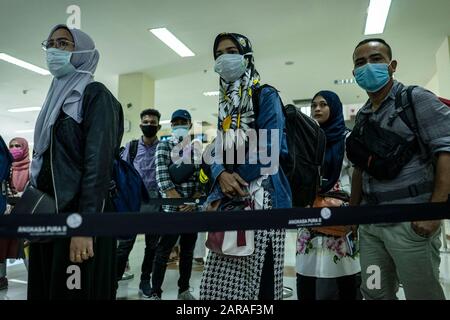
(15, 146)
(60, 43)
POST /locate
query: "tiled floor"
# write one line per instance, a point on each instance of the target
(17, 276)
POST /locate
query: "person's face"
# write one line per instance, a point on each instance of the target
(150, 120)
(181, 122)
(373, 52)
(226, 46)
(15, 145)
(61, 39)
(320, 110)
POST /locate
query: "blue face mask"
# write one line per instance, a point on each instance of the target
(58, 62)
(231, 67)
(372, 77)
(180, 131)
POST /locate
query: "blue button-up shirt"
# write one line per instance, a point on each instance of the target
(145, 162)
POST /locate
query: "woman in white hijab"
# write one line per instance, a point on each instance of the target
(77, 135)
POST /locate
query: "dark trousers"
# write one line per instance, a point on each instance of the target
(347, 287)
(163, 250)
(123, 252)
(267, 284)
(126, 245)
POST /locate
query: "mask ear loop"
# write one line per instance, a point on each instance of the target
(84, 51)
(390, 63)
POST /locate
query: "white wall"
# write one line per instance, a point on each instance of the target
(433, 84)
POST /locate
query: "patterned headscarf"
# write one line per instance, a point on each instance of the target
(235, 99)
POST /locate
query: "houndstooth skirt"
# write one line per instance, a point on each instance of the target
(239, 278)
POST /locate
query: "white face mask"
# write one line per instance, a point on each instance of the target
(180, 132)
(231, 67)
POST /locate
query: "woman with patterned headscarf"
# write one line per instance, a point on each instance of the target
(259, 275)
(77, 135)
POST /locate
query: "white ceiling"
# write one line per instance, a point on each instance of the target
(318, 35)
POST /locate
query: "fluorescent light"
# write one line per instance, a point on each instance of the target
(211, 93)
(25, 131)
(345, 81)
(23, 64)
(376, 16)
(30, 109)
(165, 122)
(172, 42)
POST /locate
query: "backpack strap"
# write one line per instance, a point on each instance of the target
(256, 94)
(404, 108)
(133, 151)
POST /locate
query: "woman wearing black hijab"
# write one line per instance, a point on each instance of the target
(322, 254)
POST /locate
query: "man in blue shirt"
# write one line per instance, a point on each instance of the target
(141, 153)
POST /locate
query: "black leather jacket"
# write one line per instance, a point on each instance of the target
(81, 155)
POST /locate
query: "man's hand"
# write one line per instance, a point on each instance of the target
(425, 228)
(81, 249)
(440, 194)
(231, 184)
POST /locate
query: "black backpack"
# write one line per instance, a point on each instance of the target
(133, 151)
(306, 144)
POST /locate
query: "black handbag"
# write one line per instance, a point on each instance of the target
(34, 201)
(181, 173)
(378, 151)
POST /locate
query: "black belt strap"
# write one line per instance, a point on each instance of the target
(411, 192)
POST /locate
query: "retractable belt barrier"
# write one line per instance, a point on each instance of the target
(121, 224)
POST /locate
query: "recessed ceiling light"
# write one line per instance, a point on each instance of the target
(23, 64)
(30, 109)
(376, 16)
(172, 42)
(345, 81)
(211, 93)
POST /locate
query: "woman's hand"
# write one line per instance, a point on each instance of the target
(186, 208)
(231, 184)
(81, 249)
(213, 206)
